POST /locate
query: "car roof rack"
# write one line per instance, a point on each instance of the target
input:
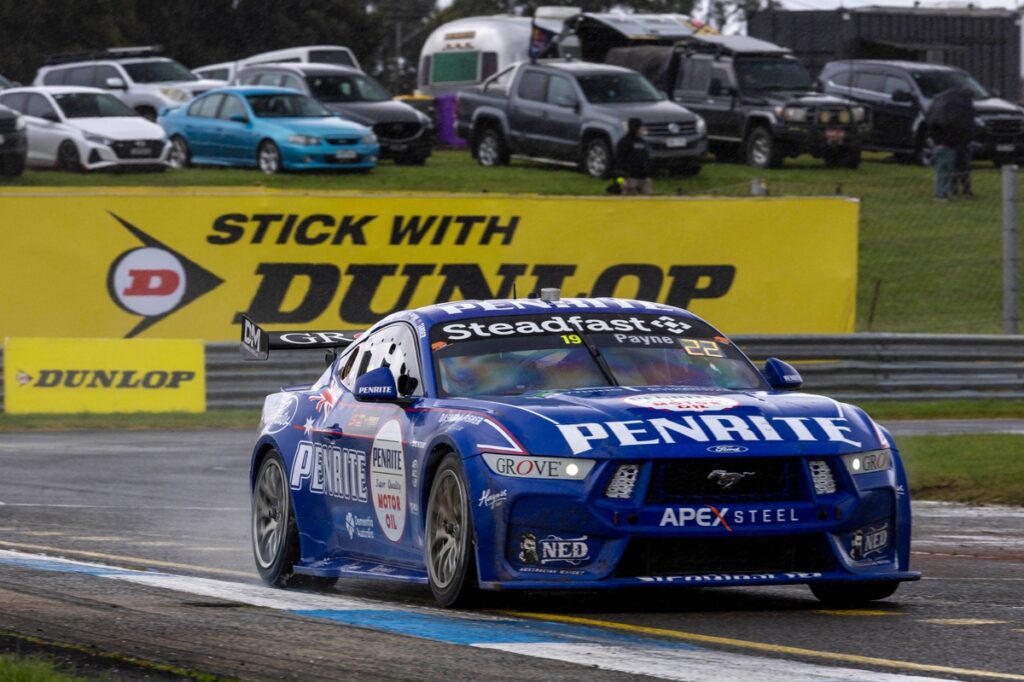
(109, 53)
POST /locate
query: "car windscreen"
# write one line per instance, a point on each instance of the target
(340, 57)
(158, 72)
(934, 82)
(346, 88)
(618, 88)
(286, 106)
(523, 354)
(91, 105)
(772, 74)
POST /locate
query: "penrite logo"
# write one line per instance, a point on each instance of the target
(154, 280)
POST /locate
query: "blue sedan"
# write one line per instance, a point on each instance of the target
(272, 129)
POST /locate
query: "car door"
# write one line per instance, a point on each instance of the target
(46, 130)
(559, 135)
(868, 87)
(693, 85)
(900, 111)
(380, 515)
(526, 112)
(199, 124)
(233, 136)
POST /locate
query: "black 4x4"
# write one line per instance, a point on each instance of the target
(756, 97)
(900, 93)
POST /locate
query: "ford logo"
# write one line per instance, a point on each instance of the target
(727, 449)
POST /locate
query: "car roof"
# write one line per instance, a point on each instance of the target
(898, 64)
(582, 68)
(252, 90)
(305, 68)
(101, 60)
(56, 89)
(460, 310)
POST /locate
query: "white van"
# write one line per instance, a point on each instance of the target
(319, 54)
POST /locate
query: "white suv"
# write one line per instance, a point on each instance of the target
(147, 84)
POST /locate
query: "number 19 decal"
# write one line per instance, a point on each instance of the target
(702, 347)
(572, 339)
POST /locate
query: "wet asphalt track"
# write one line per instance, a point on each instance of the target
(177, 503)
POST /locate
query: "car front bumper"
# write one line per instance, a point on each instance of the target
(324, 156)
(682, 150)
(816, 140)
(121, 154)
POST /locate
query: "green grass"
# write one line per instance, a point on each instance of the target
(978, 468)
(30, 669)
(925, 266)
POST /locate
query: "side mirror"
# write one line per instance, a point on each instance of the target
(566, 101)
(716, 89)
(239, 118)
(816, 86)
(51, 117)
(377, 385)
(114, 83)
(782, 376)
(902, 96)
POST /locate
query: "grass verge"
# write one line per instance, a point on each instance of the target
(985, 468)
(31, 669)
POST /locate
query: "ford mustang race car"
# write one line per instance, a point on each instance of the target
(549, 443)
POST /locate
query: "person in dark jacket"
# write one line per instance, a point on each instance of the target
(950, 122)
(633, 159)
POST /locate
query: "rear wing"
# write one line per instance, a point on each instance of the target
(257, 342)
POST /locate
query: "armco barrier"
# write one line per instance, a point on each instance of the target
(849, 367)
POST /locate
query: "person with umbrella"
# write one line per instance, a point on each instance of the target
(950, 122)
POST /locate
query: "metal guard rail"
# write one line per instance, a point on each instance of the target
(848, 367)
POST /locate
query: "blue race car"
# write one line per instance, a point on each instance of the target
(272, 129)
(549, 443)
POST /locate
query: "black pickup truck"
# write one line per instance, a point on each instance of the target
(757, 99)
(574, 113)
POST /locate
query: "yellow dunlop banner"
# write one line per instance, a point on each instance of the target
(103, 375)
(188, 262)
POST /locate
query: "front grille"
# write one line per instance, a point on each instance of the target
(761, 554)
(1004, 126)
(740, 479)
(670, 129)
(341, 141)
(138, 149)
(7, 124)
(396, 130)
(834, 116)
(331, 159)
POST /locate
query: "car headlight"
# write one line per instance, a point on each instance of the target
(174, 94)
(794, 114)
(304, 140)
(369, 139)
(19, 123)
(702, 127)
(858, 114)
(98, 139)
(528, 466)
(868, 462)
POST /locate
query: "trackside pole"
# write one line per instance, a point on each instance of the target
(1011, 252)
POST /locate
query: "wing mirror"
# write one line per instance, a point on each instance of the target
(902, 96)
(239, 118)
(51, 117)
(114, 83)
(566, 101)
(782, 376)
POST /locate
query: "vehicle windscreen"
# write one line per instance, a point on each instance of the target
(523, 354)
(934, 82)
(158, 72)
(618, 88)
(339, 57)
(772, 74)
(91, 105)
(346, 88)
(286, 106)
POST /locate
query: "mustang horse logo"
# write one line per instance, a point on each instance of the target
(727, 479)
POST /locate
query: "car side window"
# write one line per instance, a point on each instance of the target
(103, 72)
(80, 75)
(250, 78)
(270, 78)
(232, 107)
(16, 101)
(38, 106)
(873, 82)
(394, 347)
(206, 107)
(895, 84)
(696, 76)
(533, 86)
(560, 91)
(55, 77)
(843, 78)
(720, 74)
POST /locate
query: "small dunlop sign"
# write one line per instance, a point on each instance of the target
(103, 375)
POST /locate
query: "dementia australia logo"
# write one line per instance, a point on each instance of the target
(154, 280)
(358, 527)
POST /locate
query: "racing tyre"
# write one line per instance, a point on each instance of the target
(449, 548)
(181, 155)
(853, 594)
(490, 149)
(597, 158)
(763, 150)
(275, 538)
(269, 158)
(67, 157)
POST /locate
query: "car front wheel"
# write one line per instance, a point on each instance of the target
(490, 149)
(67, 157)
(763, 149)
(450, 556)
(181, 156)
(597, 158)
(269, 158)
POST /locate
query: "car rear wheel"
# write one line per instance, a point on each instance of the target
(275, 537)
(853, 594)
(181, 155)
(763, 149)
(269, 158)
(68, 158)
(490, 149)
(597, 158)
(449, 551)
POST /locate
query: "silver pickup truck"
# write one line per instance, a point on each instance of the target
(574, 113)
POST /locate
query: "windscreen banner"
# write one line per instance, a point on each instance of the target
(189, 263)
(103, 375)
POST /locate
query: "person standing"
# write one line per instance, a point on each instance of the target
(633, 159)
(950, 122)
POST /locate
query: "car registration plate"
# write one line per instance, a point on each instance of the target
(398, 147)
(139, 151)
(675, 142)
(834, 134)
(345, 155)
(1004, 147)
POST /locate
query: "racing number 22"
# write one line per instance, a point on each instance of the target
(701, 347)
